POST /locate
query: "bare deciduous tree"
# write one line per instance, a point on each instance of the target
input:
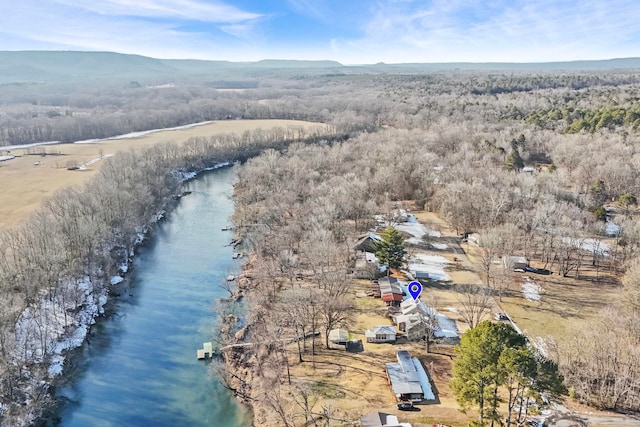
(476, 303)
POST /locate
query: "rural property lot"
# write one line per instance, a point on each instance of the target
(28, 179)
(355, 383)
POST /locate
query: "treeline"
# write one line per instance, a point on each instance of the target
(601, 359)
(56, 268)
(40, 113)
(107, 112)
(591, 121)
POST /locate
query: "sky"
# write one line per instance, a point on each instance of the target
(348, 31)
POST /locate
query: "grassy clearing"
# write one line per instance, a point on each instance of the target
(566, 303)
(26, 184)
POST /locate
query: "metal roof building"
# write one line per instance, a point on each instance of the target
(404, 378)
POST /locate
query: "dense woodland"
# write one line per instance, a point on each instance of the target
(455, 142)
(463, 157)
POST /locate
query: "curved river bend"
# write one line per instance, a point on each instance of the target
(139, 366)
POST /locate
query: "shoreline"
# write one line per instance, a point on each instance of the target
(72, 326)
(68, 345)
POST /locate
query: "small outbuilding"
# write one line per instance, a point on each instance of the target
(392, 299)
(390, 285)
(367, 243)
(380, 334)
(515, 262)
(381, 419)
(339, 338)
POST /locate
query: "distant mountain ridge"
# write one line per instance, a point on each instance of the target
(579, 65)
(62, 66)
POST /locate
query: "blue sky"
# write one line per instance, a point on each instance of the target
(349, 31)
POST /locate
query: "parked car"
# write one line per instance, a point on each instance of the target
(537, 270)
(502, 316)
(407, 406)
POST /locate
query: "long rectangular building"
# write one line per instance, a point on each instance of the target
(404, 378)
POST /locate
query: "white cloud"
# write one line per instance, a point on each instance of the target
(313, 8)
(159, 28)
(174, 9)
(389, 30)
(501, 30)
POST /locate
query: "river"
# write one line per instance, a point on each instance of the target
(139, 366)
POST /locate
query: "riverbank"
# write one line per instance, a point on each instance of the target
(37, 172)
(162, 316)
(92, 306)
(85, 235)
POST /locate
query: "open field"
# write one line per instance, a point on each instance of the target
(29, 178)
(565, 303)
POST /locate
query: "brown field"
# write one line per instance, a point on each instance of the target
(25, 185)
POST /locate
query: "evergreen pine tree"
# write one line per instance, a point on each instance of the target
(390, 250)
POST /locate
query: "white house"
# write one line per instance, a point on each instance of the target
(417, 316)
(381, 334)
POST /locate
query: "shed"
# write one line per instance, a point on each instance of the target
(515, 262)
(380, 419)
(392, 299)
(339, 337)
(367, 242)
(390, 285)
(378, 334)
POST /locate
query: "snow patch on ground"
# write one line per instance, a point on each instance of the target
(439, 246)
(531, 290)
(124, 267)
(540, 344)
(593, 246)
(93, 161)
(611, 228)
(596, 247)
(218, 166)
(5, 158)
(35, 144)
(55, 325)
(417, 231)
(185, 176)
(141, 133)
(116, 279)
(433, 265)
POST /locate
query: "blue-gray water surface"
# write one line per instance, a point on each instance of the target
(139, 367)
